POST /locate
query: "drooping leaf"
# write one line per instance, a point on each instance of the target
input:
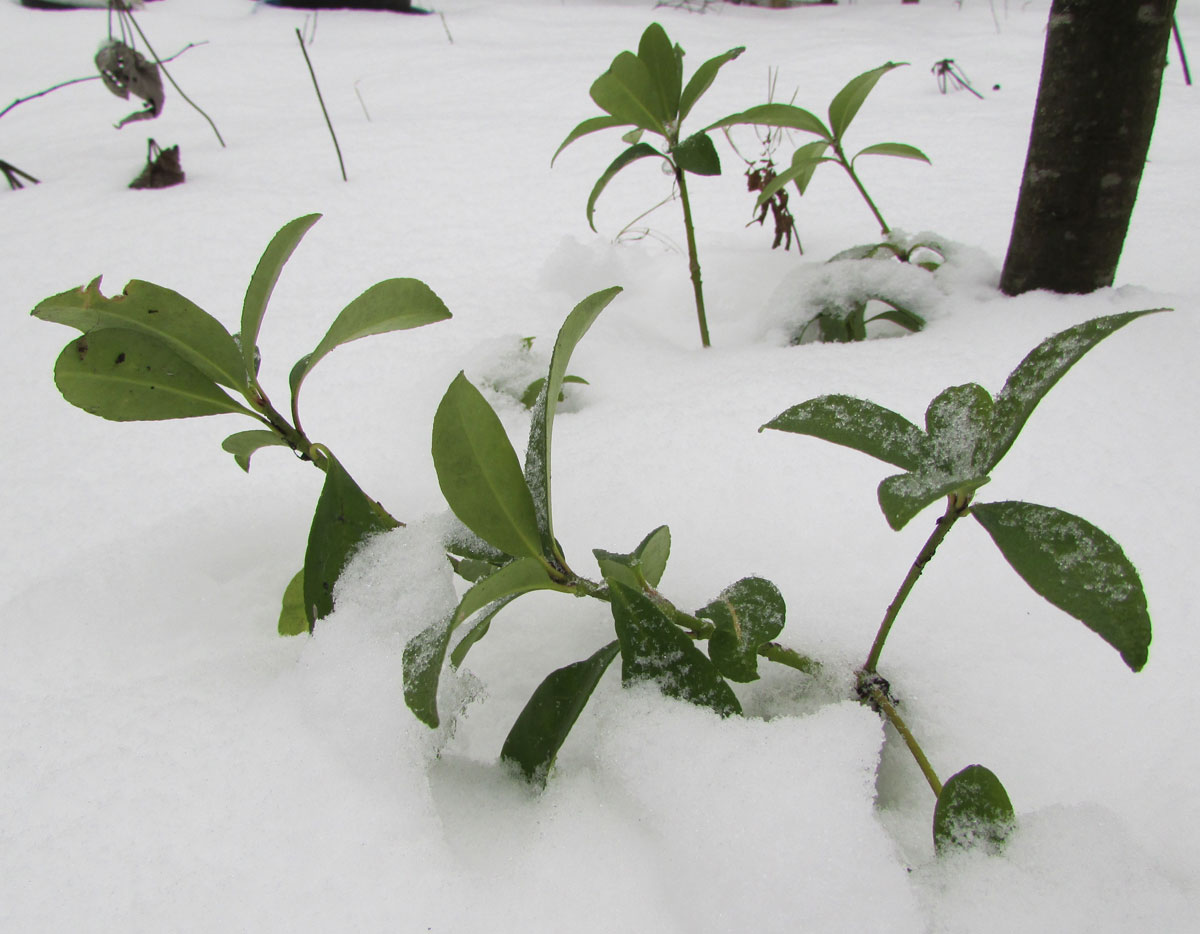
(899, 150)
(1042, 368)
(126, 375)
(344, 518)
(627, 91)
(391, 305)
(698, 155)
(654, 649)
(959, 425)
(1078, 568)
(175, 322)
(909, 320)
(478, 630)
(664, 62)
(902, 496)
(262, 283)
(785, 116)
(591, 125)
(243, 444)
(541, 426)
(805, 161)
(702, 80)
(293, 621)
(849, 99)
(479, 473)
(748, 615)
(973, 811)
(859, 424)
(630, 155)
(547, 719)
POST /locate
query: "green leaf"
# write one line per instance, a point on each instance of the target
(702, 80)
(126, 375)
(780, 115)
(262, 283)
(480, 475)
(541, 426)
(1042, 368)
(344, 518)
(425, 653)
(591, 125)
(530, 396)
(959, 425)
(697, 155)
(748, 615)
(243, 444)
(478, 630)
(654, 649)
(391, 305)
(632, 154)
(849, 99)
(627, 91)
(805, 161)
(859, 424)
(903, 496)
(664, 63)
(547, 719)
(641, 568)
(899, 150)
(909, 320)
(293, 621)
(1078, 568)
(973, 810)
(178, 324)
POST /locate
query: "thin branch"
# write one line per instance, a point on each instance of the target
(321, 101)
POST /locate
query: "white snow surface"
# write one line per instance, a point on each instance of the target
(170, 764)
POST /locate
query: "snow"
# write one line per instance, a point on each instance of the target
(170, 763)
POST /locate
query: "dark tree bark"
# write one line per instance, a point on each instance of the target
(1096, 104)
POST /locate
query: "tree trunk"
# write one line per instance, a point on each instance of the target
(1101, 77)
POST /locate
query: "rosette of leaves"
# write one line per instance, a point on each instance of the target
(150, 354)
(830, 143)
(508, 508)
(1064, 558)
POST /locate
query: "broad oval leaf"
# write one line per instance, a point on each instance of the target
(243, 444)
(786, 116)
(125, 375)
(847, 101)
(632, 154)
(551, 712)
(748, 614)
(859, 424)
(654, 649)
(899, 150)
(174, 321)
(702, 80)
(902, 496)
(479, 473)
(959, 425)
(1078, 568)
(591, 125)
(541, 426)
(293, 621)
(627, 91)
(697, 155)
(262, 283)
(344, 518)
(664, 63)
(973, 811)
(1042, 368)
(391, 305)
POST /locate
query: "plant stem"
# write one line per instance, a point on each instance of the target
(849, 167)
(321, 101)
(879, 697)
(693, 259)
(956, 508)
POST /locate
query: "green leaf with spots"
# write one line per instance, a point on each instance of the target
(973, 811)
(748, 615)
(959, 425)
(902, 496)
(859, 424)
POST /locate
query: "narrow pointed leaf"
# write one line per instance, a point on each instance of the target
(541, 427)
(899, 150)
(973, 811)
(591, 125)
(632, 154)
(702, 80)
(1045, 366)
(654, 649)
(786, 116)
(652, 554)
(1078, 568)
(391, 305)
(849, 99)
(627, 91)
(175, 322)
(344, 518)
(664, 62)
(293, 621)
(903, 496)
(478, 630)
(479, 473)
(859, 424)
(805, 161)
(262, 283)
(243, 444)
(698, 155)
(748, 615)
(126, 375)
(547, 718)
(909, 320)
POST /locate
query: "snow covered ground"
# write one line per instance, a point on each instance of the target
(169, 763)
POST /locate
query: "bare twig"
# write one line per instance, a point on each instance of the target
(445, 27)
(321, 101)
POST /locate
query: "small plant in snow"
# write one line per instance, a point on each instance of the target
(150, 354)
(1064, 558)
